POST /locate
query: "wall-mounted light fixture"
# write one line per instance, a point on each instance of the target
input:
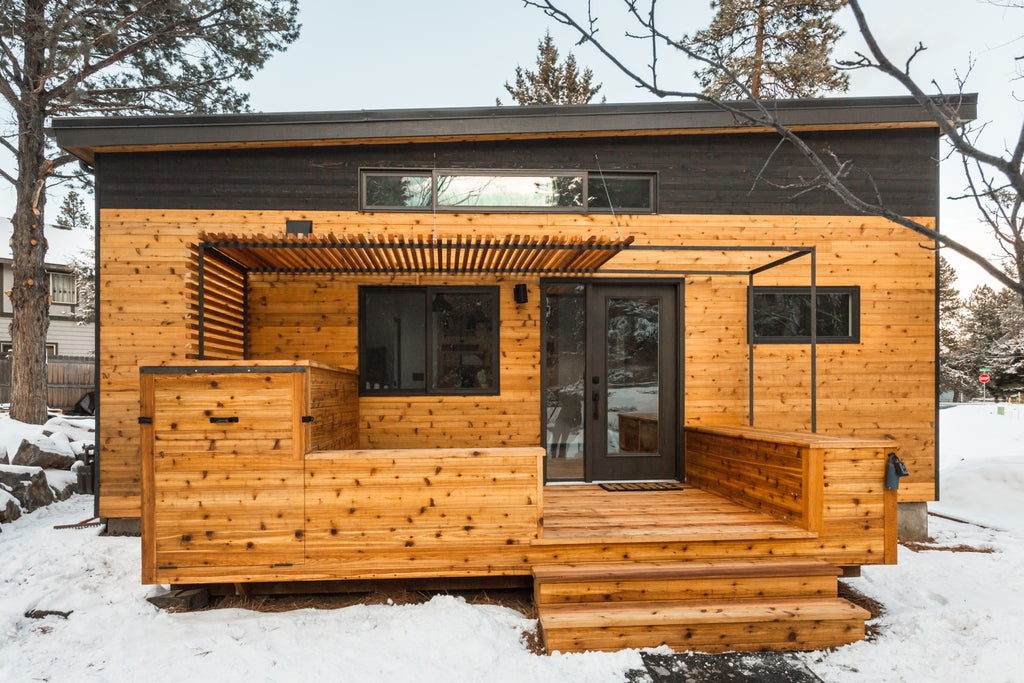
(519, 294)
(299, 227)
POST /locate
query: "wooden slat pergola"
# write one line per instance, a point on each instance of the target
(329, 253)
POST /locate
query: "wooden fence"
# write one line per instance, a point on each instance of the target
(69, 379)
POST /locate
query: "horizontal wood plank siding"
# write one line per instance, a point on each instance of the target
(766, 476)
(145, 307)
(697, 174)
(368, 515)
(833, 487)
(334, 408)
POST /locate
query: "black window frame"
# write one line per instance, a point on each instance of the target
(852, 338)
(428, 291)
(434, 206)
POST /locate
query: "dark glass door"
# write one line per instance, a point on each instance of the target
(610, 382)
(631, 382)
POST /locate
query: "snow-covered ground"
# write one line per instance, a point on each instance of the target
(950, 616)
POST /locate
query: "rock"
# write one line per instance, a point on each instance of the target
(66, 491)
(3, 456)
(34, 455)
(181, 600)
(10, 512)
(28, 485)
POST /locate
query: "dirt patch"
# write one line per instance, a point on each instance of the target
(875, 608)
(930, 544)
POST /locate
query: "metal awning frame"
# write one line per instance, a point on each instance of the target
(212, 249)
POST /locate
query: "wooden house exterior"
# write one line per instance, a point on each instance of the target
(415, 344)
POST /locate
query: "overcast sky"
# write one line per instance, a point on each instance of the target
(387, 54)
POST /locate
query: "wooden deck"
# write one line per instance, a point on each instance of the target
(588, 513)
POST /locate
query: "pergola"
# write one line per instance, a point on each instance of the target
(224, 261)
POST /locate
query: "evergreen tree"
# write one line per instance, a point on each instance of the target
(84, 267)
(950, 307)
(552, 82)
(77, 57)
(74, 213)
(775, 48)
(952, 375)
(993, 338)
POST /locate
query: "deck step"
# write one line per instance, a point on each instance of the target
(712, 606)
(682, 581)
(783, 624)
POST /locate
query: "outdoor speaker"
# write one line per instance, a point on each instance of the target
(519, 293)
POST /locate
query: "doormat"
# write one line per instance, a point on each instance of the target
(644, 486)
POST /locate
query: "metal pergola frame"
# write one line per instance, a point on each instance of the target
(210, 249)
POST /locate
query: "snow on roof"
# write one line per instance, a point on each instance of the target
(62, 243)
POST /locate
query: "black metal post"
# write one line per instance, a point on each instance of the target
(750, 347)
(202, 283)
(814, 342)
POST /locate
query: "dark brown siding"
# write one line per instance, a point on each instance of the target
(697, 174)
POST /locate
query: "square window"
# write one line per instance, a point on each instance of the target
(428, 340)
(63, 289)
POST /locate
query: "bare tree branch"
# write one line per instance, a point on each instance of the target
(941, 109)
(942, 115)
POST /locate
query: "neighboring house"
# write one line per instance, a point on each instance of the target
(67, 336)
(411, 344)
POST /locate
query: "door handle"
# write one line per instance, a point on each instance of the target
(596, 398)
(223, 420)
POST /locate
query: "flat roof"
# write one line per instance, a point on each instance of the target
(85, 137)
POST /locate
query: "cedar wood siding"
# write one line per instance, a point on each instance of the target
(153, 204)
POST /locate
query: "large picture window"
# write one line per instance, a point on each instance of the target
(782, 315)
(428, 340)
(501, 190)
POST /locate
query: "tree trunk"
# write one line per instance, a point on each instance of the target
(30, 291)
(755, 81)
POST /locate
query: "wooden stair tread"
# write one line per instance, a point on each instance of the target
(626, 614)
(566, 573)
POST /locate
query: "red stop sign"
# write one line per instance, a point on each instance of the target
(984, 378)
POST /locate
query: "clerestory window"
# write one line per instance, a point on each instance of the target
(497, 191)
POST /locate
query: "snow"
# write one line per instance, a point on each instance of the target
(66, 436)
(953, 616)
(61, 244)
(949, 616)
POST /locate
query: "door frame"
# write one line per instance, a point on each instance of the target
(680, 385)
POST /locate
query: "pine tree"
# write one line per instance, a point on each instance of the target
(552, 83)
(79, 57)
(952, 374)
(775, 49)
(993, 338)
(84, 267)
(951, 307)
(74, 213)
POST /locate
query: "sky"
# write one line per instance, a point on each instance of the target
(394, 54)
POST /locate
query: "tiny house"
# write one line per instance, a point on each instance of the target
(615, 350)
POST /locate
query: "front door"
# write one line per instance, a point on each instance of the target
(611, 382)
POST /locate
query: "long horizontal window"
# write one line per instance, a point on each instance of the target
(451, 190)
(428, 340)
(782, 315)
